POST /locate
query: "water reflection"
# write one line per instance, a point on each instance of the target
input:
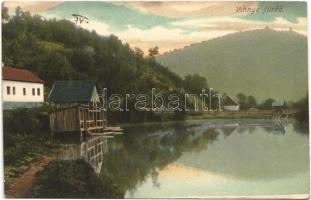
(204, 158)
(144, 150)
(145, 161)
(92, 150)
(280, 125)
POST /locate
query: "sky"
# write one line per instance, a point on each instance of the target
(171, 25)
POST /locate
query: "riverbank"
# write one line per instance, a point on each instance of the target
(19, 176)
(21, 187)
(257, 114)
(27, 141)
(73, 179)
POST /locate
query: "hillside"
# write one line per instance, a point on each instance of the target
(263, 63)
(59, 50)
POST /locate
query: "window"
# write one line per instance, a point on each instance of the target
(13, 90)
(38, 91)
(33, 92)
(8, 90)
(24, 91)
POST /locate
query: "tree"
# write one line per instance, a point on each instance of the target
(83, 61)
(267, 104)
(139, 52)
(56, 67)
(58, 50)
(195, 83)
(251, 102)
(242, 101)
(4, 12)
(18, 11)
(246, 102)
(303, 115)
(153, 51)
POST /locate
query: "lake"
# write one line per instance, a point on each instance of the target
(202, 158)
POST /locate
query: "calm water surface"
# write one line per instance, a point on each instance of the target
(202, 158)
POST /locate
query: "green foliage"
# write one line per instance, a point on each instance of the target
(267, 104)
(195, 83)
(303, 115)
(73, 179)
(21, 121)
(26, 137)
(241, 97)
(59, 50)
(246, 102)
(153, 51)
(4, 12)
(251, 102)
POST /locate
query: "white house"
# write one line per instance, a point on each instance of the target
(21, 88)
(230, 104)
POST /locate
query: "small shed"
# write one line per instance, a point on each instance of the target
(229, 104)
(75, 111)
(277, 103)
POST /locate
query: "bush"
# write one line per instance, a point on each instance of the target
(24, 121)
(26, 136)
(20, 121)
(303, 115)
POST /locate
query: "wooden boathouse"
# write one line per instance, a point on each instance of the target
(73, 110)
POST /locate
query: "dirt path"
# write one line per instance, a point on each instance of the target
(21, 187)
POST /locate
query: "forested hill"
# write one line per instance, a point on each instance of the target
(59, 50)
(263, 63)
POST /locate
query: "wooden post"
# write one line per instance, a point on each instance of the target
(81, 136)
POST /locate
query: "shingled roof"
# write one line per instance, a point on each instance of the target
(18, 74)
(277, 103)
(228, 101)
(80, 91)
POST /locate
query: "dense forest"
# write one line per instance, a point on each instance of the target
(60, 50)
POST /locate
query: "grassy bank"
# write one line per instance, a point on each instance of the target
(26, 138)
(73, 179)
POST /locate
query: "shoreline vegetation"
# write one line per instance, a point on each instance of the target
(27, 139)
(57, 49)
(73, 179)
(259, 114)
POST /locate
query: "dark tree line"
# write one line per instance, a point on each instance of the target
(59, 50)
(248, 102)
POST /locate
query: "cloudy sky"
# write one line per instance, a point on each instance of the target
(171, 25)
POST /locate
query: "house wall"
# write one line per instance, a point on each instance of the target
(232, 108)
(8, 105)
(94, 94)
(19, 95)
